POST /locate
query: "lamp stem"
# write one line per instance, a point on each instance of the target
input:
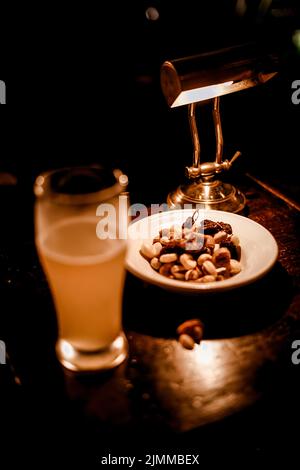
(195, 135)
(218, 130)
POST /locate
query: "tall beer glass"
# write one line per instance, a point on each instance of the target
(77, 227)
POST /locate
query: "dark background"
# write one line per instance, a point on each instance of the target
(83, 87)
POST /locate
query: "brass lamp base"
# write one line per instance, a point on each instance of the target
(208, 195)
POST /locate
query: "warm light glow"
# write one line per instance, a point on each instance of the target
(123, 180)
(208, 353)
(118, 343)
(40, 180)
(201, 94)
(38, 190)
(241, 7)
(152, 14)
(67, 350)
(296, 39)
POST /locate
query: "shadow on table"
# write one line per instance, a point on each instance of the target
(157, 312)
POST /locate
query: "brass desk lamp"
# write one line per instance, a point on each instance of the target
(204, 77)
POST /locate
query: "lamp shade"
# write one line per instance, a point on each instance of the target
(201, 77)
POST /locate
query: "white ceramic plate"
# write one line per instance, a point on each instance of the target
(259, 250)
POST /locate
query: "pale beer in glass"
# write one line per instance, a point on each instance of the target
(85, 273)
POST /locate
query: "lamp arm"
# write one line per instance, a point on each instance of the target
(195, 135)
(207, 170)
(218, 130)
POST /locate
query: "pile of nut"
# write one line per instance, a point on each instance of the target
(202, 253)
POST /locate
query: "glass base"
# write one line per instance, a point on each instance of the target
(208, 195)
(90, 361)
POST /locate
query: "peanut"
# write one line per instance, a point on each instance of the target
(157, 247)
(235, 266)
(165, 269)
(221, 257)
(187, 261)
(204, 257)
(177, 268)
(186, 341)
(155, 263)
(220, 236)
(164, 240)
(148, 250)
(209, 241)
(192, 274)
(206, 279)
(221, 270)
(179, 276)
(235, 240)
(168, 258)
(193, 328)
(209, 268)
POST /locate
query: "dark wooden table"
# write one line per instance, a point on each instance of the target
(237, 390)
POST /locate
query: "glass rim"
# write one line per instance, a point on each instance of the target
(42, 187)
